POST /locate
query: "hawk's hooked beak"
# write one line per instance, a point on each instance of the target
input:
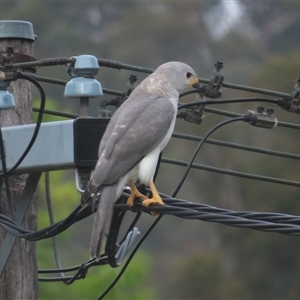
(195, 83)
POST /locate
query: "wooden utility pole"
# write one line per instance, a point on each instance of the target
(19, 278)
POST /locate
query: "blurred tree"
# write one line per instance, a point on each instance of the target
(277, 23)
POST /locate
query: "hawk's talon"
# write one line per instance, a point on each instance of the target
(152, 201)
(154, 213)
(135, 193)
(155, 200)
(130, 200)
(147, 202)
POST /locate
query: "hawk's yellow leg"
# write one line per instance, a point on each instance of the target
(156, 199)
(134, 194)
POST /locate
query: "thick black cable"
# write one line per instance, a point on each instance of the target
(58, 227)
(264, 221)
(22, 75)
(15, 229)
(271, 222)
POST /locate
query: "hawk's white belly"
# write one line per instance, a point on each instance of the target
(145, 170)
(148, 164)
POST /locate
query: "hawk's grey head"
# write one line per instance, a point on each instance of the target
(171, 78)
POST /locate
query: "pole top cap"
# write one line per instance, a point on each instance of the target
(10, 29)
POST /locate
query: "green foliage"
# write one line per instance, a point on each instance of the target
(280, 71)
(198, 278)
(205, 277)
(132, 285)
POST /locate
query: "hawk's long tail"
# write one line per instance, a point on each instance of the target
(102, 219)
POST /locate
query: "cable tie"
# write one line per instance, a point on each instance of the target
(123, 249)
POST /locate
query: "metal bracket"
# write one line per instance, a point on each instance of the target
(59, 145)
(52, 150)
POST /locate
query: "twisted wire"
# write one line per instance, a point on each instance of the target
(262, 221)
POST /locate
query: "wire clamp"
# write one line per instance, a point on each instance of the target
(262, 119)
(193, 115)
(118, 101)
(292, 103)
(213, 89)
(295, 102)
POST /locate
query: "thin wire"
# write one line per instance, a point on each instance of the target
(237, 146)
(224, 101)
(56, 113)
(189, 165)
(51, 218)
(232, 172)
(232, 114)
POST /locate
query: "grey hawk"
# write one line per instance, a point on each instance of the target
(130, 147)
